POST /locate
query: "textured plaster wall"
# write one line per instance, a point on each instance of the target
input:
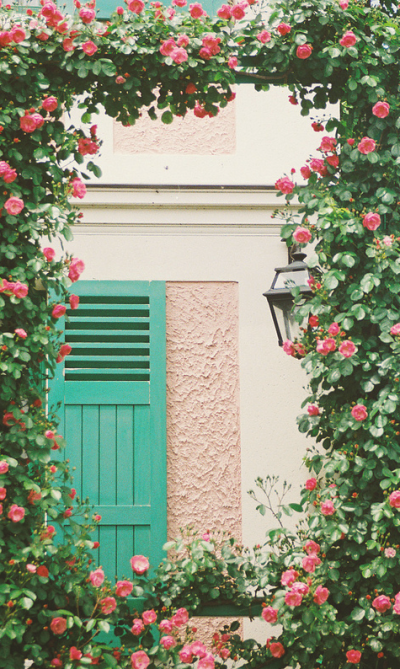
(203, 439)
(189, 135)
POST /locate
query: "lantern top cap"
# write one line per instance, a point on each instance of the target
(297, 263)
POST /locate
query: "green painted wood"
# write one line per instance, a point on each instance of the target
(113, 415)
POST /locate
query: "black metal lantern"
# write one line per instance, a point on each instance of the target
(280, 298)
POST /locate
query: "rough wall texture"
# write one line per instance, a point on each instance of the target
(203, 438)
(189, 135)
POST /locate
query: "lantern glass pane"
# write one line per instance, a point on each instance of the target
(290, 279)
(289, 328)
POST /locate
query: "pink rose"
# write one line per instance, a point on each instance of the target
(16, 513)
(140, 660)
(269, 614)
(305, 172)
(325, 346)
(167, 642)
(381, 109)
(3, 467)
(74, 653)
(108, 605)
(20, 289)
(288, 347)
(89, 48)
(149, 617)
(328, 144)
(180, 618)
(10, 175)
(167, 47)
(311, 484)
(367, 145)
(348, 39)
(185, 655)
(166, 626)
(353, 656)
(74, 301)
(293, 598)
(232, 62)
(14, 205)
(302, 235)
(264, 37)
(313, 410)
(58, 310)
(343, 4)
(359, 412)
(50, 103)
(394, 499)
(300, 587)
(317, 165)
(206, 662)
(238, 11)
(123, 588)
(179, 3)
(328, 508)
(179, 55)
(139, 564)
(3, 493)
(27, 123)
(371, 221)
(347, 348)
(388, 241)
(136, 6)
(333, 161)
(31, 568)
(196, 10)
(183, 40)
(68, 44)
(284, 185)
(137, 627)
(198, 649)
(395, 329)
(304, 51)
(310, 562)
(224, 12)
(321, 595)
(396, 607)
(283, 29)
(78, 188)
(390, 552)
(87, 15)
(17, 34)
(277, 650)
(382, 603)
(334, 329)
(65, 349)
(97, 577)
(289, 577)
(312, 547)
(49, 253)
(76, 268)
(21, 333)
(58, 625)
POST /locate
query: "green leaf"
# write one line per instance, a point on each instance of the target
(167, 117)
(357, 614)
(110, 660)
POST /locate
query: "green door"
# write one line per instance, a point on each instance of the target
(112, 391)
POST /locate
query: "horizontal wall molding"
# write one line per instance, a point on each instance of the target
(204, 208)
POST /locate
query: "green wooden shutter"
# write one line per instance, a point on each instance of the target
(113, 414)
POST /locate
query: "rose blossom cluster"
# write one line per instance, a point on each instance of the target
(210, 47)
(17, 34)
(295, 349)
(176, 50)
(7, 173)
(53, 17)
(13, 288)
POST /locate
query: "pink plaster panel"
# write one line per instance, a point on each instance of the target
(189, 135)
(203, 438)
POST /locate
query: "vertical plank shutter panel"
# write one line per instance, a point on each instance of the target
(113, 416)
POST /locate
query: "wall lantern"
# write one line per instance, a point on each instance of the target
(280, 298)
